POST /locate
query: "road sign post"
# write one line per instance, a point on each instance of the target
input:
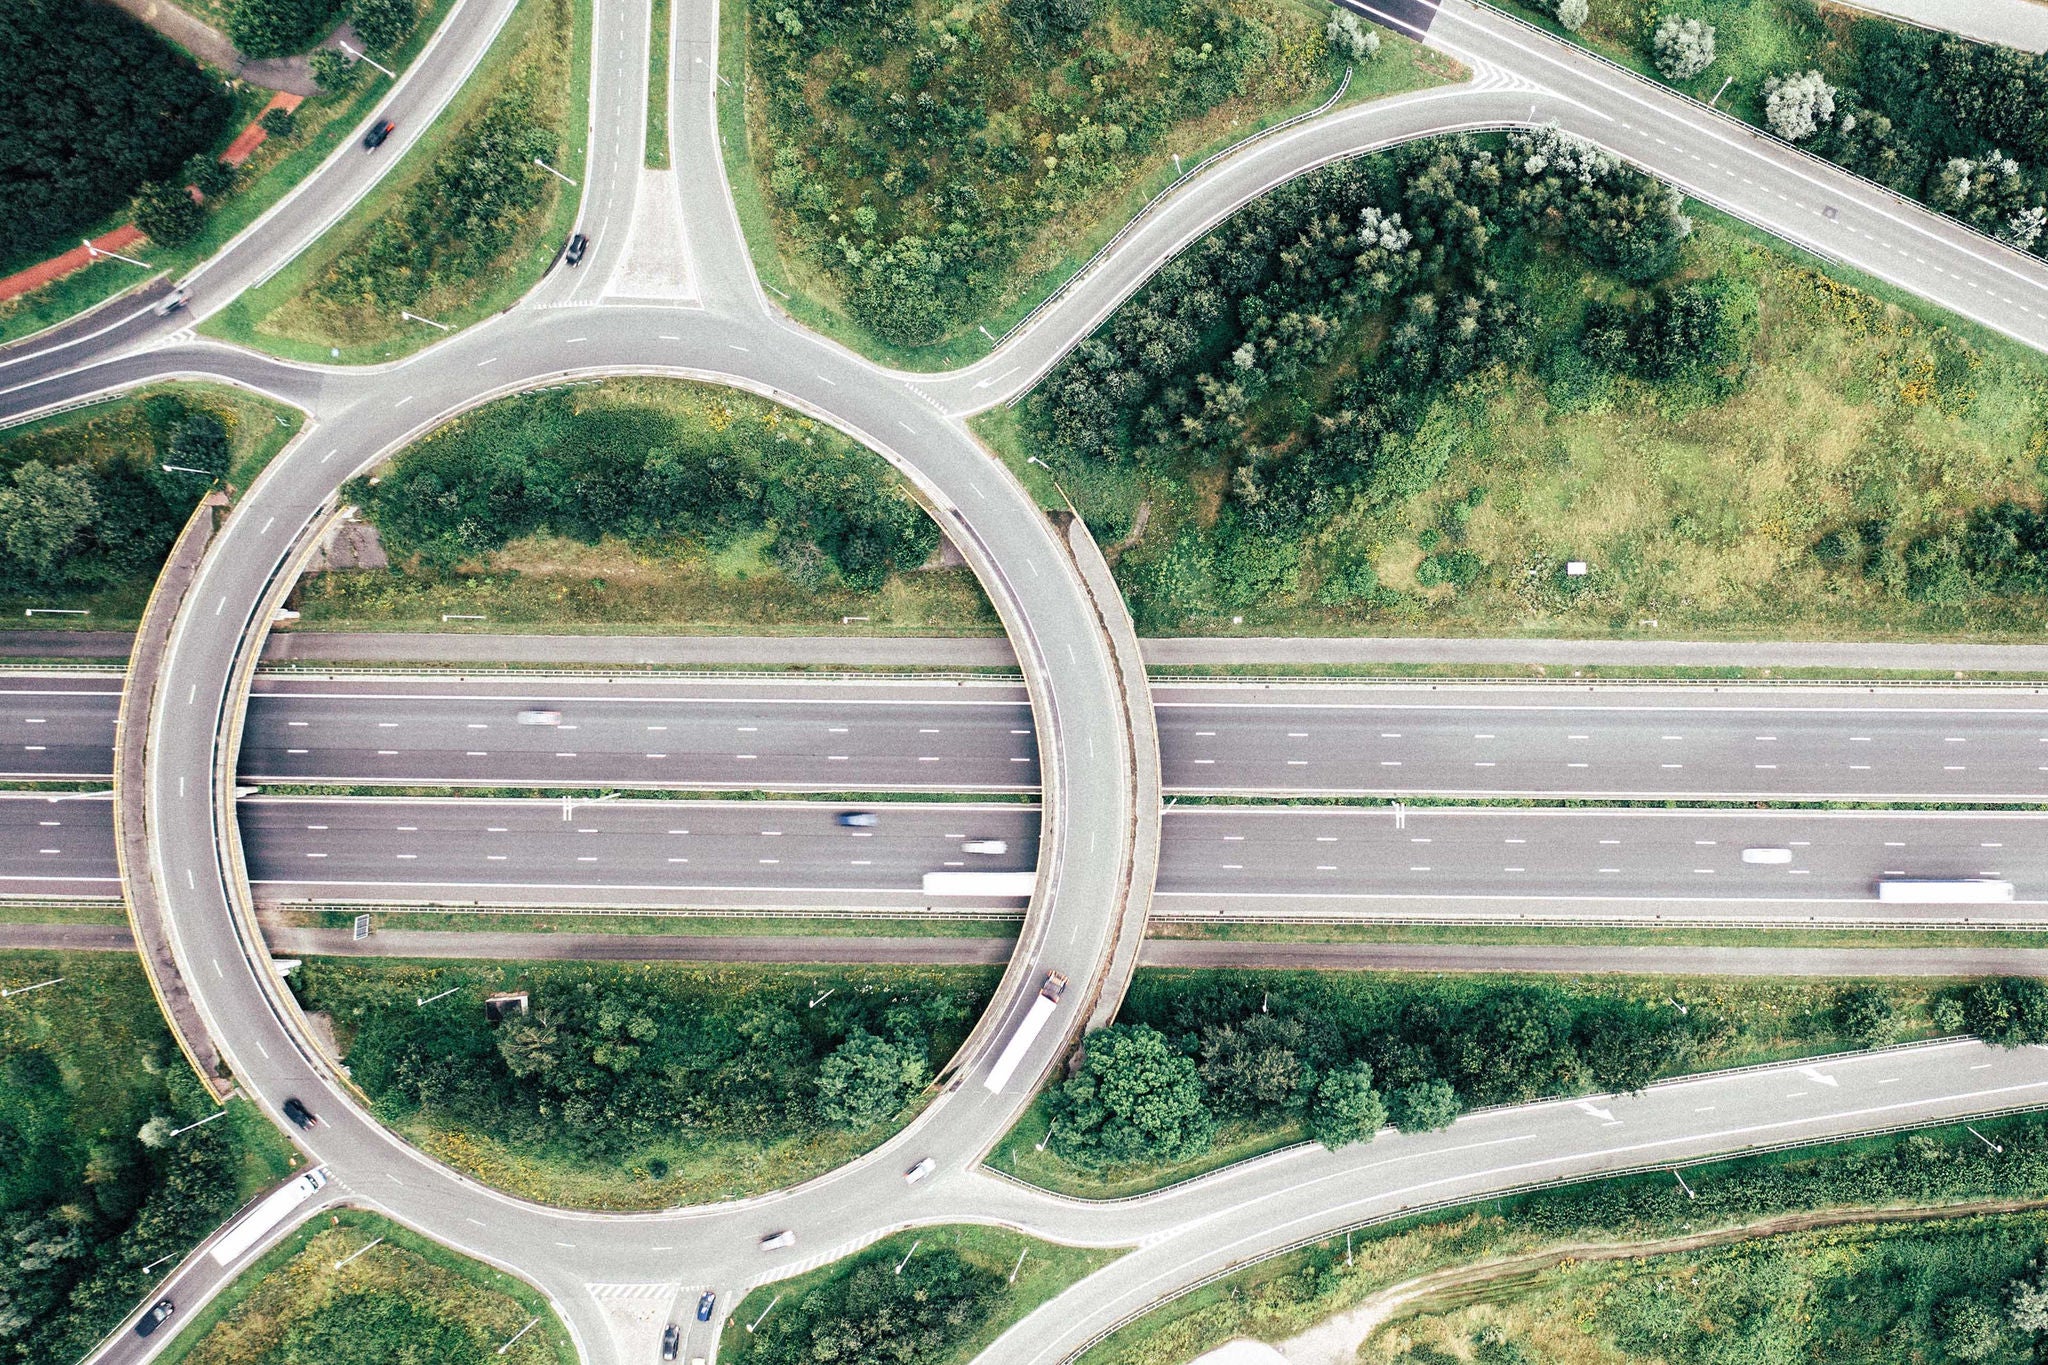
(362, 930)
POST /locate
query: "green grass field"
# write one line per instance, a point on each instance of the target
(405, 1299)
(657, 88)
(1932, 1292)
(310, 311)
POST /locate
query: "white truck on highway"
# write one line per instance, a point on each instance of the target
(1931, 891)
(1027, 1032)
(264, 1219)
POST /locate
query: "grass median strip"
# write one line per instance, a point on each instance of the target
(658, 87)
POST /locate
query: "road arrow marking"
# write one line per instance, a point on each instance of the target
(1816, 1077)
(1588, 1108)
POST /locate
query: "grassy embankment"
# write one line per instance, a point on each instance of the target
(1043, 1270)
(657, 88)
(1048, 229)
(132, 434)
(1854, 403)
(86, 1068)
(1934, 1292)
(636, 1085)
(769, 548)
(461, 228)
(1724, 1021)
(321, 124)
(405, 1299)
(1935, 1168)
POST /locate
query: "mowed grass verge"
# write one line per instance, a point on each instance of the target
(396, 251)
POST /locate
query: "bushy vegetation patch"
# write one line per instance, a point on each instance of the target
(922, 156)
(88, 509)
(1203, 1057)
(669, 472)
(961, 1286)
(94, 105)
(272, 28)
(647, 1084)
(93, 1185)
(1943, 1166)
(1415, 388)
(326, 1295)
(1961, 126)
(1945, 1293)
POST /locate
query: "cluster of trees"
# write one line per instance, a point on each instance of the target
(1308, 346)
(1204, 1050)
(1997, 551)
(919, 148)
(108, 520)
(272, 28)
(872, 1311)
(452, 226)
(585, 468)
(93, 106)
(84, 1206)
(1961, 126)
(611, 1060)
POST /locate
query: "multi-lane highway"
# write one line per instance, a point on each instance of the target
(1698, 741)
(1508, 863)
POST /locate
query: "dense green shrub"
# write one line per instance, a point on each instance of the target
(383, 24)
(1342, 1053)
(166, 211)
(917, 150)
(586, 467)
(272, 28)
(875, 1312)
(103, 522)
(612, 1059)
(452, 225)
(93, 105)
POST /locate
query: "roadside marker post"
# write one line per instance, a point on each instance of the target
(362, 929)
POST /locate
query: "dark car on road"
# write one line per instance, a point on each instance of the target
(298, 1113)
(154, 1318)
(577, 246)
(704, 1306)
(671, 1342)
(379, 130)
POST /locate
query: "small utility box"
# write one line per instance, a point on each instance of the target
(504, 1006)
(1575, 569)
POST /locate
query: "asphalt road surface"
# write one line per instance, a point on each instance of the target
(1284, 860)
(1698, 741)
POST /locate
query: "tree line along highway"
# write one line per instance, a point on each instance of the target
(794, 855)
(1677, 742)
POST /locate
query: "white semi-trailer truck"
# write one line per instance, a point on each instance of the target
(265, 1217)
(1042, 1009)
(1931, 891)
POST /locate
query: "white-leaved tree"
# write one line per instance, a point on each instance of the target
(1573, 14)
(1682, 48)
(1799, 105)
(1349, 39)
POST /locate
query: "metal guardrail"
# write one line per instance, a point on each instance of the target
(39, 414)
